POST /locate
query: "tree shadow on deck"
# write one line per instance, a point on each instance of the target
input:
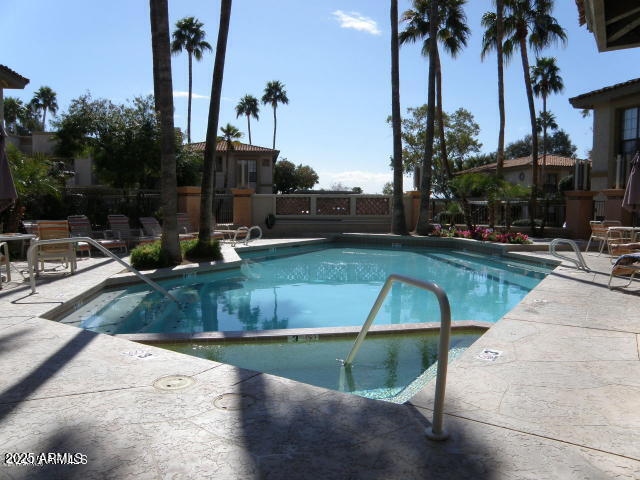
(306, 432)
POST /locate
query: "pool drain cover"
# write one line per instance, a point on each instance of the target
(233, 401)
(173, 382)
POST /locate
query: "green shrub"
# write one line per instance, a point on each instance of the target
(196, 252)
(150, 256)
(525, 222)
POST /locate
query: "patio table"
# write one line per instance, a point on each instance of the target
(630, 233)
(9, 237)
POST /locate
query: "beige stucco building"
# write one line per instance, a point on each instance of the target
(616, 135)
(519, 171)
(249, 166)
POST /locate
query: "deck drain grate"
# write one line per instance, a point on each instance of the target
(233, 401)
(173, 382)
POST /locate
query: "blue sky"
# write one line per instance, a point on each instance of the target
(332, 55)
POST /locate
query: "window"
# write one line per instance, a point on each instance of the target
(246, 174)
(630, 138)
(266, 163)
(218, 164)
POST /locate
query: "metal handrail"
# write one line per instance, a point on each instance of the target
(91, 241)
(255, 227)
(580, 262)
(436, 432)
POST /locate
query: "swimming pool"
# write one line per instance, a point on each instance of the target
(330, 285)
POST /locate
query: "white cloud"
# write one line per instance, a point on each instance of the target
(186, 94)
(370, 182)
(356, 21)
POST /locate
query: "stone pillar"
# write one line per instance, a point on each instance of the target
(415, 210)
(189, 203)
(242, 212)
(613, 206)
(579, 212)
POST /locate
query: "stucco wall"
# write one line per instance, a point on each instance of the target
(606, 139)
(43, 142)
(300, 225)
(84, 172)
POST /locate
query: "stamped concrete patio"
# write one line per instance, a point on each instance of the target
(562, 401)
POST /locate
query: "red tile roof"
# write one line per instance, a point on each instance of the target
(604, 90)
(552, 161)
(15, 77)
(237, 146)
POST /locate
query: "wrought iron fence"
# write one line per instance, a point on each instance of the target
(223, 208)
(552, 212)
(98, 202)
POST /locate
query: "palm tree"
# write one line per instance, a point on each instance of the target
(274, 93)
(526, 21)
(45, 99)
(248, 106)
(431, 9)
(163, 94)
(13, 108)
(452, 33)
(189, 36)
(493, 38)
(229, 135)
(546, 80)
(208, 193)
(398, 221)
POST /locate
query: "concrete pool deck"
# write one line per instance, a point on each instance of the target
(562, 400)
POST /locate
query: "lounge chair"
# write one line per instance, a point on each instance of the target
(63, 252)
(4, 260)
(600, 233)
(185, 228)
(152, 228)
(228, 235)
(628, 263)
(120, 230)
(80, 226)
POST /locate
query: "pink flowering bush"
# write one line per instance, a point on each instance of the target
(482, 234)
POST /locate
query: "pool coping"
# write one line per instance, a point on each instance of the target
(298, 334)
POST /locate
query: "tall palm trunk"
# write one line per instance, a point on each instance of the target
(275, 124)
(163, 93)
(424, 226)
(443, 140)
(44, 118)
(500, 55)
(499, 37)
(398, 221)
(249, 127)
(534, 131)
(208, 193)
(544, 140)
(189, 102)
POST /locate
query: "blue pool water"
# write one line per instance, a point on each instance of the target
(320, 286)
(392, 367)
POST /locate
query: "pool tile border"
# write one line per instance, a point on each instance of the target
(304, 333)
